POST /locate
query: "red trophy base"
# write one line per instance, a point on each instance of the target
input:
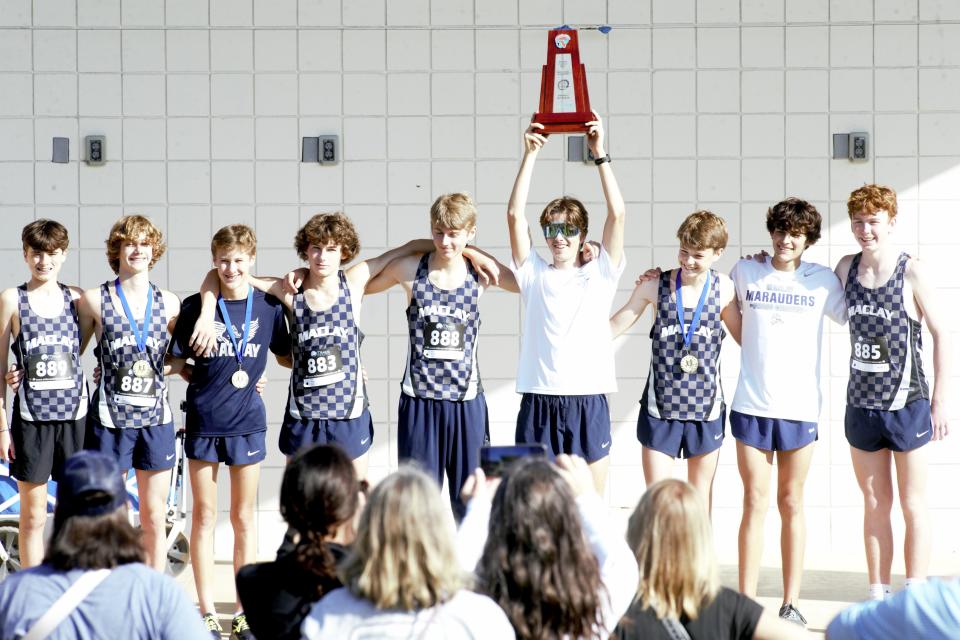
(564, 102)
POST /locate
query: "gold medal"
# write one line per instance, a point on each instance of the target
(240, 379)
(689, 363)
(142, 368)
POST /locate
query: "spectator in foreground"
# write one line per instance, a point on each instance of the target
(930, 610)
(679, 595)
(319, 497)
(96, 555)
(549, 557)
(402, 579)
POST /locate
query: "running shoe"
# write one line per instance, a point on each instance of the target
(213, 625)
(790, 613)
(240, 630)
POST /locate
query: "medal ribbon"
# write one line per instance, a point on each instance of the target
(139, 333)
(238, 350)
(687, 332)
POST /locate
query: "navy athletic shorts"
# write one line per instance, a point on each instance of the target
(354, 436)
(443, 436)
(41, 448)
(146, 448)
(247, 448)
(772, 434)
(576, 425)
(899, 430)
(680, 438)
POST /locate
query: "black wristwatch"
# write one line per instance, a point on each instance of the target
(600, 161)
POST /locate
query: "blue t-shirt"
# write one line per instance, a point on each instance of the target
(133, 602)
(930, 610)
(214, 406)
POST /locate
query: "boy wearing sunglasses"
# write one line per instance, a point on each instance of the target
(567, 306)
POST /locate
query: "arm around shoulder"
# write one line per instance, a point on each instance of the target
(360, 274)
(396, 272)
(627, 315)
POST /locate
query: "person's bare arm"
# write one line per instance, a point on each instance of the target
(729, 309)
(8, 312)
(520, 242)
(171, 303)
(271, 285)
(204, 337)
(627, 315)
(398, 272)
(843, 269)
(173, 366)
(88, 311)
(491, 270)
(616, 209)
(925, 295)
(361, 273)
(285, 360)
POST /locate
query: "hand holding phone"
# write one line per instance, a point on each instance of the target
(494, 459)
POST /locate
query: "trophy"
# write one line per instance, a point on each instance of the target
(564, 103)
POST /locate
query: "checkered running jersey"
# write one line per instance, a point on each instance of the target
(123, 399)
(326, 382)
(886, 371)
(443, 325)
(670, 393)
(48, 349)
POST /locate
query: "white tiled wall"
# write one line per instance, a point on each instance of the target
(725, 104)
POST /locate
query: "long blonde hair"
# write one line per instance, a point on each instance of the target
(404, 556)
(670, 534)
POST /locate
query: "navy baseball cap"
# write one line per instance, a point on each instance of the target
(86, 473)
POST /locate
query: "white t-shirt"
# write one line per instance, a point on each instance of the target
(467, 615)
(566, 347)
(782, 333)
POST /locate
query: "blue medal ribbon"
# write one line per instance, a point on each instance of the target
(688, 332)
(238, 350)
(139, 333)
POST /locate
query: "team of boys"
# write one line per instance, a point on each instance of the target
(772, 305)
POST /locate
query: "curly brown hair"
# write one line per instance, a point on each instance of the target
(871, 198)
(796, 217)
(131, 228)
(537, 564)
(328, 227)
(319, 492)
